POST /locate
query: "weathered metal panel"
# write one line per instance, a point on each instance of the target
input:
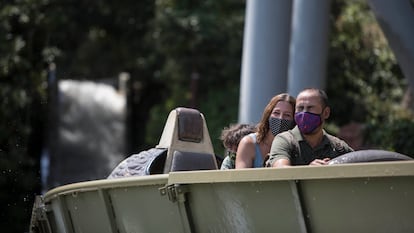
(365, 197)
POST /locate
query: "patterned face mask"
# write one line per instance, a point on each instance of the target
(278, 125)
(307, 122)
(231, 154)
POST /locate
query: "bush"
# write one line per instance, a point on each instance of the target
(396, 135)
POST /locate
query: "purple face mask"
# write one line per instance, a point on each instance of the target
(307, 122)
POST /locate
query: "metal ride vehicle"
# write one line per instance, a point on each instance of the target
(177, 187)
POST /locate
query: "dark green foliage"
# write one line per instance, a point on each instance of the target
(201, 44)
(394, 136)
(86, 39)
(178, 53)
(363, 74)
(22, 105)
(365, 83)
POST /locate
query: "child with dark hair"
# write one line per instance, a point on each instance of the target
(231, 137)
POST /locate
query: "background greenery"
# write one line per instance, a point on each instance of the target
(179, 53)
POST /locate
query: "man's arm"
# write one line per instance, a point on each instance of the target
(281, 162)
(318, 162)
(279, 155)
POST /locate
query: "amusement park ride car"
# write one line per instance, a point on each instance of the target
(177, 187)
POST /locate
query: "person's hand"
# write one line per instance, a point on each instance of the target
(318, 162)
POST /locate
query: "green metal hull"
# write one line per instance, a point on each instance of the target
(363, 197)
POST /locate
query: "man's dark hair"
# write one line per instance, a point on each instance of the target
(322, 94)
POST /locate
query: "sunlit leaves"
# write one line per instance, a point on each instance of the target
(364, 79)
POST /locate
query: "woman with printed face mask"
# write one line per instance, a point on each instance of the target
(277, 117)
(308, 143)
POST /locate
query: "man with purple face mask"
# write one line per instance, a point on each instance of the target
(307, 143)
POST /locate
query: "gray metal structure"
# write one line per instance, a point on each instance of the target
(309, 45)
(272, 27)
(396, 19)
(265, 56)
